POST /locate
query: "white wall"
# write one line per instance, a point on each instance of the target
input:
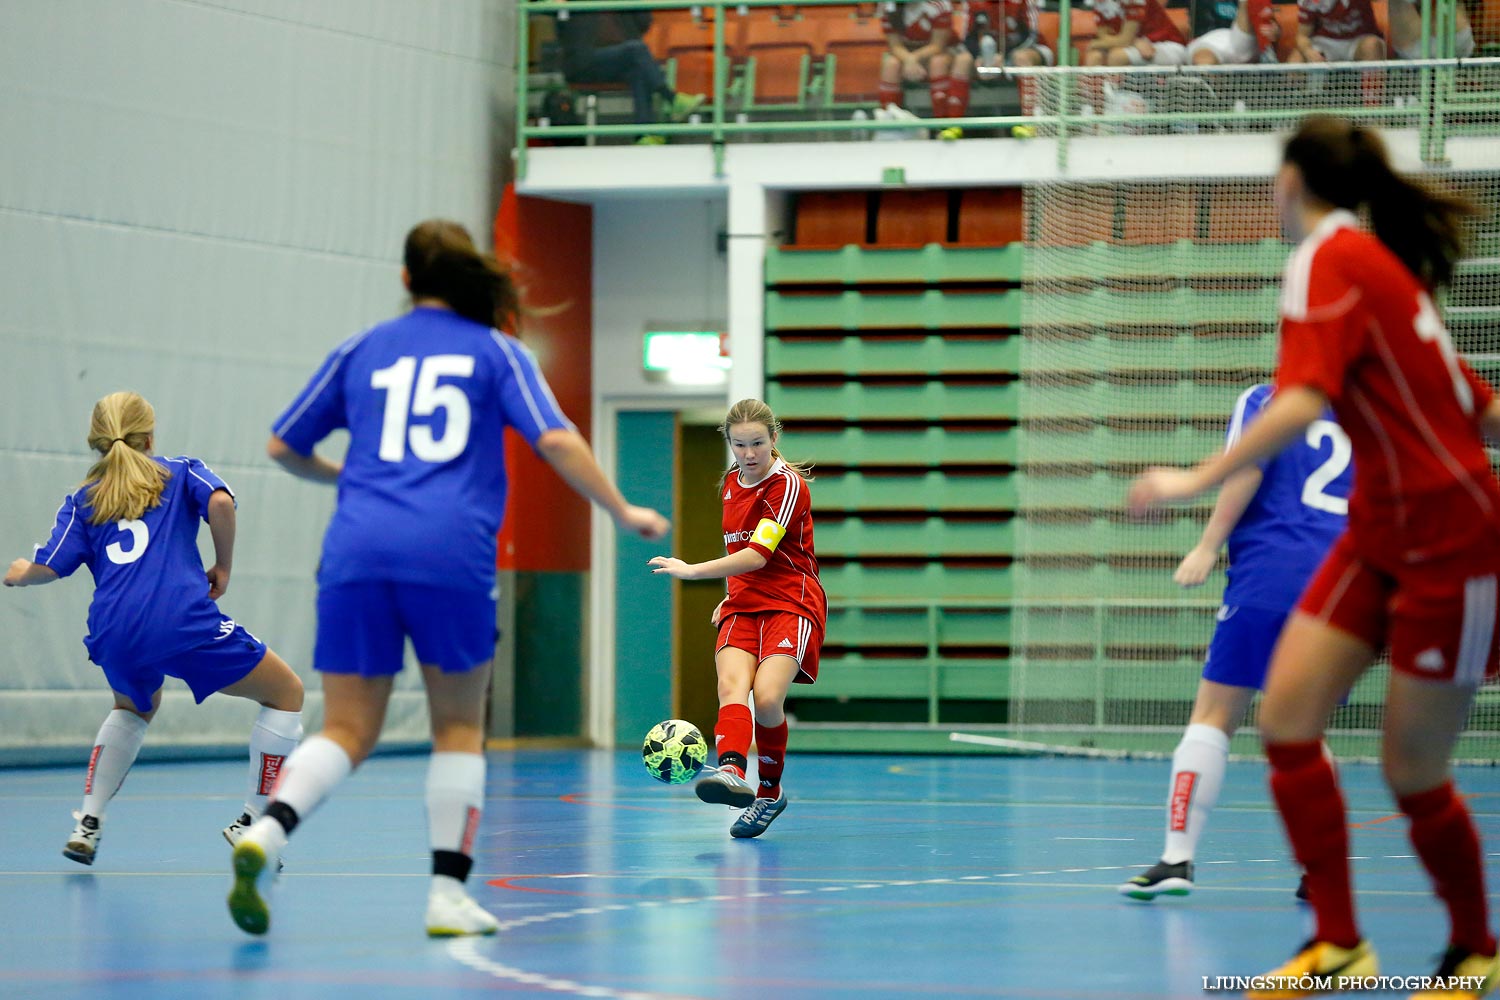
(197, 200)
(656, 261)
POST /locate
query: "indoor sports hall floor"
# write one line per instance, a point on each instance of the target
(887, 877)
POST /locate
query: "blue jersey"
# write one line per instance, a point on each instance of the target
(1302, 505)
(426, 399)
(150, 590)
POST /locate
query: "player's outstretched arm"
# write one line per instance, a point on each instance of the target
(311, 467)
(1285, 417)
(221, 524)
(1234, 497)
(25, 573)
(1489, 422)
(570, 455)
(746, 560)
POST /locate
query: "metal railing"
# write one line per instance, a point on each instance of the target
(1437, 98)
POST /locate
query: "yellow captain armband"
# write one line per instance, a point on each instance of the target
(768, 534)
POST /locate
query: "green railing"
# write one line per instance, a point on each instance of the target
(1440, 96)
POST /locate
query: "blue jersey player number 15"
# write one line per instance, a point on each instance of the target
(413, 391)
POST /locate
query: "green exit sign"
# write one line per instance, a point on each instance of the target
(685, 351)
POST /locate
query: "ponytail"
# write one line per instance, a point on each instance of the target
(125, 482)
(443, 263)
(753, 411)
(1346, 166)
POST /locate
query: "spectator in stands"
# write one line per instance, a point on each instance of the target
(606, 47)
(1134, 33)
(1406, 32)
(924, 46)
(1336, 31)
(1004, 33)
(1233, 32)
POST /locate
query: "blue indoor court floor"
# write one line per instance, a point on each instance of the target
(887, 877)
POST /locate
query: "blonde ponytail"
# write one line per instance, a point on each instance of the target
(753, 411)
(125, 482)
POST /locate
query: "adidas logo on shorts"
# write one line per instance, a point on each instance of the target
(784, 644)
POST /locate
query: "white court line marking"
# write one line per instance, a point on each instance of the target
(1120, 840)
(466, 950)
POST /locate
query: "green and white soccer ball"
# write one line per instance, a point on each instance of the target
(674, 751)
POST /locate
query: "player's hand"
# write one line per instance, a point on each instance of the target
(671, 567)
(913, 70)
(713, 619)
(17, 571)
(645, 522)
(1195, 567)
(1160, 485)
(218, 581)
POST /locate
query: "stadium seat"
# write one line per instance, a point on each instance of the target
(687, 52)
(1075, 223)
(911, 218)
(777, 58)
(830, 219)
(851, 49)
(990, 217)
(1157, 214)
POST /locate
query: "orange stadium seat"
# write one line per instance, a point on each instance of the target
(1075, 222)
(827, 219)
(778, 57)
(1158, 214)
(856, 45)
(991, 217)
(1238, 217)
(912, 218)
(688, 43)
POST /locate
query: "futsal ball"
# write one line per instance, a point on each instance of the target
(674, 751)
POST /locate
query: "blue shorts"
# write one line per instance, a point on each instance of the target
(213, 666)
(1240, 651)
(363, 627)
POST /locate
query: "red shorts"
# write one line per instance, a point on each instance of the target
(775, 633)
(1438, 618)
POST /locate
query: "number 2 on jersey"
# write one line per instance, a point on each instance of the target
(413, 393)
(1313, 491)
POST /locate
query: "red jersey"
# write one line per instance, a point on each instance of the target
(1155, 25)
(1338, 18)
(1358, 327)
(1015, 22)
(774, 517)
(916, 20)
(1262, 17)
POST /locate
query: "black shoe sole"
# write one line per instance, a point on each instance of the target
(719, 794)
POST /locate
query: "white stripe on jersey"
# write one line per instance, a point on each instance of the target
(1478, 630)
(71, 518)
(1419, 420)
(789, 499)
(515, 366)
(1296, 281)
(185, 461)
(342, 351)
(1237, 422)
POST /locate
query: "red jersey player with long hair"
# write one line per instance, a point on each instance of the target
(1416, 570)
(771, 624)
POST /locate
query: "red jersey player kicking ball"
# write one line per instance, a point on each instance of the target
(770, 625)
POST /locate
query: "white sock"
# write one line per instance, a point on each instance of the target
(115, 750)
(1197, 776)
(455, 800)
(273, 737)
(309, 776)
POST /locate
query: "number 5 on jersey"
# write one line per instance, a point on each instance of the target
(413, 393)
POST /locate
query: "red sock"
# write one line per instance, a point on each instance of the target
(890, 93)
(770, 745)
(1312, 809)
(958, 97)
(1448, 845)
(938, 88)
(1371, 88)
(732, 733)
(1026, 88)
